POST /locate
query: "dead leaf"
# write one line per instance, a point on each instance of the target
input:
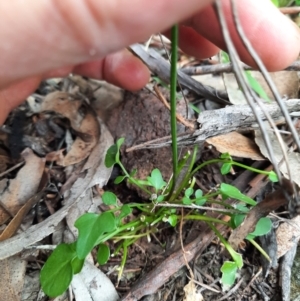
(15, 223)
(190, 292)
(286, 235)
(293, 158)
(17, 191)
(83, 121)
(236, 145)
(12, 278)
(287, 83)
(94, 171)
(92, 284)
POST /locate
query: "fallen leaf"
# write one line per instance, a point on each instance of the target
(93, 172)
(236, 145)
(83, 121)
(92, 284)
(190, 292)
(17, 191)
(286, 235)
(293, 158)
(15, 223)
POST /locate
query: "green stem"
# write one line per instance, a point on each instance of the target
(173, 82)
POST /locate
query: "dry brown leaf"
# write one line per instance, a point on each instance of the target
(236, 145)
(15, 223)
(293, 158)
(287, 83)
(17, 191)
(83, 121)
(286, 234)
(190, 292)
(94, 172)
(12, 278)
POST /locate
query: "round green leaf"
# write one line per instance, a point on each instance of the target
(103, 254)
(172, 219)
(225, 169)
(198, 193)
(188, 192)
(109, 198)
(263, 226)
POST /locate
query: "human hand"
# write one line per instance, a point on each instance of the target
(41, 39)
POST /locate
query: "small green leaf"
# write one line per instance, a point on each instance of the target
(119, 179)
(225, 169)
(237, 219)
(160, 198)
(109, 198)
(156, 179)
(255, 85)
(272, 176)
(193, 107)
(91, 226)
(226, 156)
(189, 192)
(113, 153)
(57, 273)
(232, 192)
(77, 265)
(198, 193)
(110, 158)
(103, 254)
(172, 219)
(186, 201)
(228, 270)
(200, 202)
(263, 227)
(125, 210)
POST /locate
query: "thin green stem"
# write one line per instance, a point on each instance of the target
(173, 86)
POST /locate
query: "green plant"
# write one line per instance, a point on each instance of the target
(95, 230)
(119, 225)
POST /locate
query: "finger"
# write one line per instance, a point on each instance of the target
(38, 36)
(275, 38)
(121, 68)
(192, 43)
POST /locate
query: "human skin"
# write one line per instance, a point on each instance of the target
(41, 39)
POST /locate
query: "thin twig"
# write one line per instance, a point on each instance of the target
(227, 68)
(178, 116)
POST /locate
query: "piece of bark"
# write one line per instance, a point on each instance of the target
(161, 67)
(272, 202)
(232, 118)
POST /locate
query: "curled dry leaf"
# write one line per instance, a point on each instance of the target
(83, 121)
(17, 191)
(236, 145)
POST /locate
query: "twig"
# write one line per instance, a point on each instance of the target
(232, 211)
(290, 10)
(227, 68)
(178, 116)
